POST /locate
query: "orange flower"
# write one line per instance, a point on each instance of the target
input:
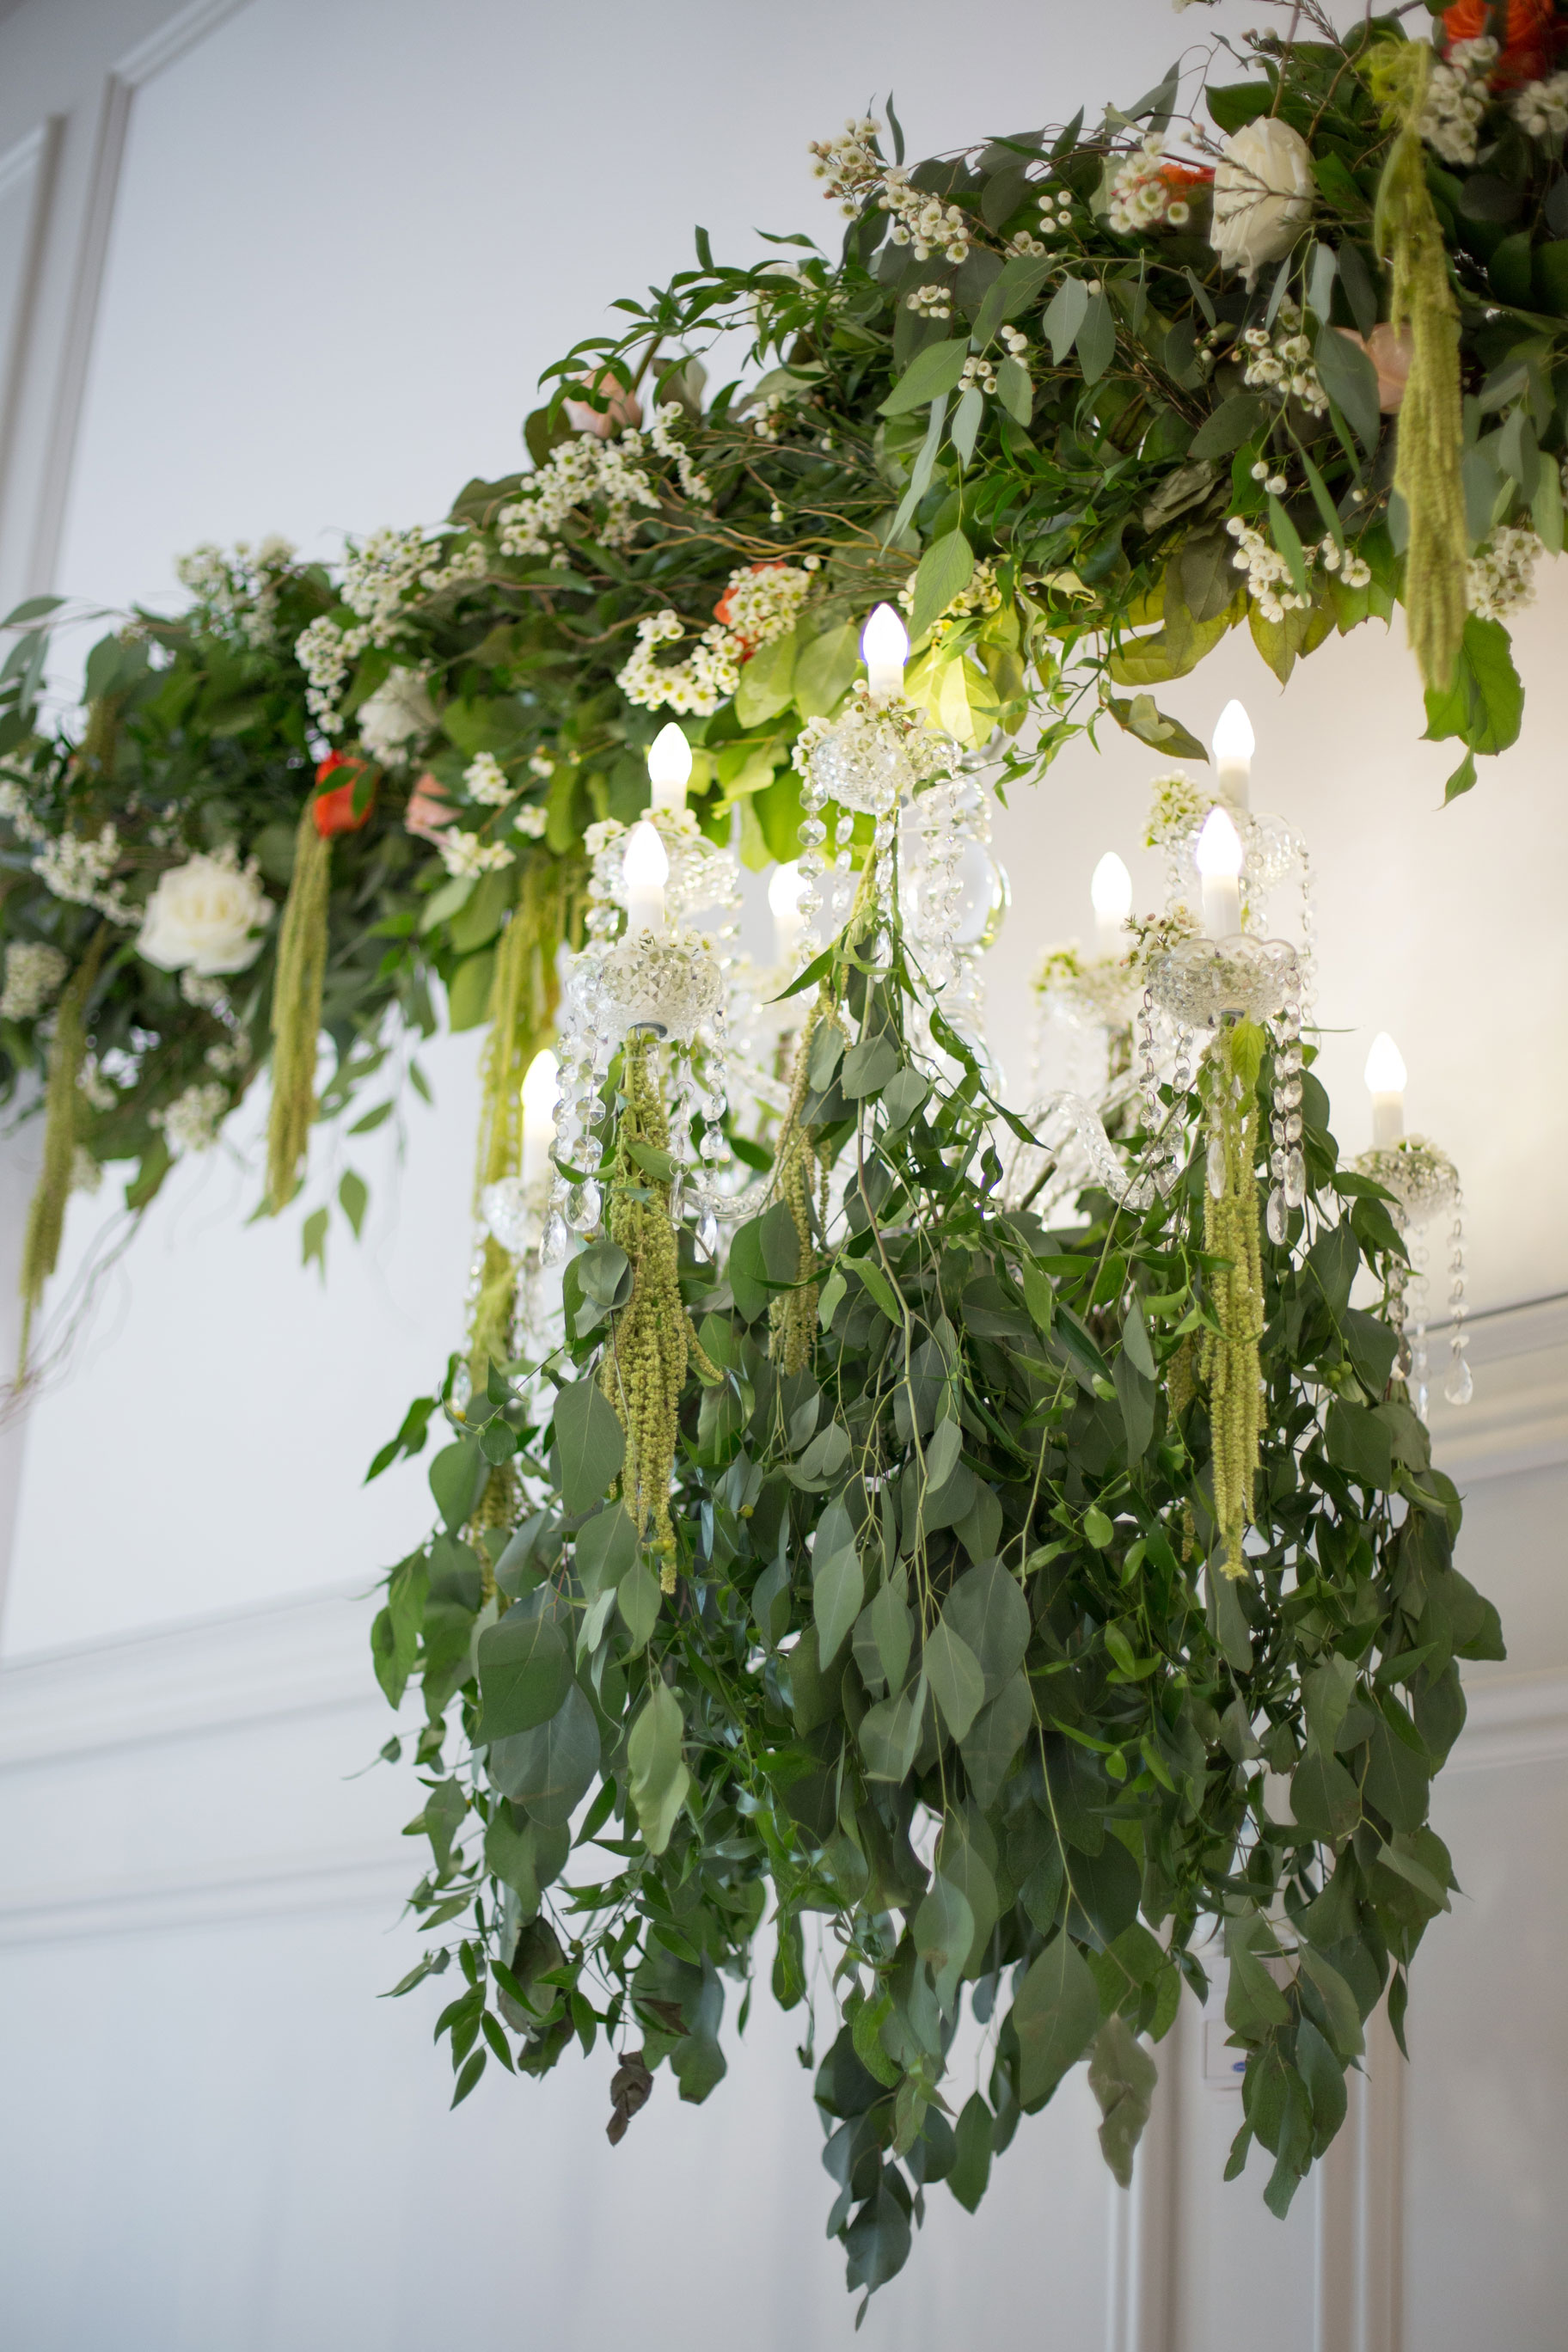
(429, 811)
(334, 811)
(1183, 178)
(623, 409)
(1530, 40)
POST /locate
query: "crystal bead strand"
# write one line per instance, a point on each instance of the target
(1308, 956)
(1398, 1282)
(1416, 1322)
(813, 833)
(1459, 1386)
(1287, 1160)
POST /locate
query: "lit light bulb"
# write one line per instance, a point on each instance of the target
(1385, 1077)
(647, 869)
(1219, 866)
(885, 648)
(1111, 890)
(1234, 744)
(784, 899)
(668, 766)
(541, 1087)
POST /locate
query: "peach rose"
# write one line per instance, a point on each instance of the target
(429, 811)
(1391, 354)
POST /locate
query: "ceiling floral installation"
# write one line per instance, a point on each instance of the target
(984, 1548)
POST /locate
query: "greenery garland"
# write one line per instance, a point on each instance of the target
(996, 1566)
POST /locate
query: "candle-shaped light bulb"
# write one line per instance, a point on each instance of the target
(784, 899)
(668, 766)
(1110, 889)
(1234, 744)
(647, 869)
(1219, 868)
(884, 648)
(541, 1087)
(1385, 1081)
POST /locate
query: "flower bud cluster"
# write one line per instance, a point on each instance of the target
(931, 302)
(33, 971)
(1499, 578)
(1268, 574)
(1148, 193)
(1280, 361)
(1541, 108)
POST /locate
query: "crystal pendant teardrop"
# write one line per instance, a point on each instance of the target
(553, 1248)
(1217, 1167)
(1276, 1218)
(1459, 1386)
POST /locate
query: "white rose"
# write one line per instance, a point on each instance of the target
(394, 715)
(1263, 193)
(205, 916)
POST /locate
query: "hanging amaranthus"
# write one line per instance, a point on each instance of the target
(798, 1172)
(297, 1010)
(652, 1342)
(1431, 425)
(47, 1209)
(524, 994)
(1232, 1231)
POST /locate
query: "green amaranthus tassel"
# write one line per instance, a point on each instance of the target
(652, 1342)
(297, 1010)
(797, 1174)
(1232, 1231)
(47, 1209)
(1431, 422)
(524, 994)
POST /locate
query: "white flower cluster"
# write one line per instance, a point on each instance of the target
(663, 442)
(229, 1057)
(77, 870)
(391, 718)
(1456, 100)
(763, 603)
(850, 165)
(205, 990)
(191, 1122)
(577, 475)
(235, 591)
(378, 579)
(978, 373)
(1268, 574)
(18, 815)
(487, 782)
(707, 676)
(760, 604)
(1178, 805)
(463, 854)
(1281, 361)
(1141, 198)
(1500, 576)
(531, 820)
(980, 594)
(96, 1087)
(86, 1175)
(920, 221)
(1023, 243)
(1541, 108)
(33, 971)
(931, 302)
(541, 764)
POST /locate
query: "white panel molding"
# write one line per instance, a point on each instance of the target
(29, 171)
(1518, 1417)
(267, 1886)
(130, 73)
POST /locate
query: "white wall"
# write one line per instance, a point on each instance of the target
(295, 265)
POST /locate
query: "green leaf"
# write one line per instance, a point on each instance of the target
(353, 1193)
(659, 1779)
(458, 1477)
(867, 1068)
(1234, 422)
(312, 1232)
(767, 682)
(988, 1611)
(523, 1672)
(1288, 540)
(604, 1549)
(943, 1932)
(1015, 389)
(838, 1584)
(966, 421)
(824, 669)
(638, 1600)
(1055, 2016)
(1122, 2076)
(929, 373)
(1485, 704)
(1349, 379)
(954, 1673)
(1064, 316)
(890, 1733)
(1017, 286)
(1325, 1800)
(550, 1767)
(590, 1444)
(1357, 1440)
(972, 2165)
(1096, 338)
(946, 571)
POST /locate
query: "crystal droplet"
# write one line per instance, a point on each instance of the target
(708, 1232)
(582, 1206)
(1217, 1167)
(1276, 1221)
(1295, 1179)
(1460, 1388)
(553, 1248)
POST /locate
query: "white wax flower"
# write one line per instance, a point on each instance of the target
(206, 916)
(394, 715)
(1263, 191)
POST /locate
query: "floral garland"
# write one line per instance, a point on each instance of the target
(919, 1513)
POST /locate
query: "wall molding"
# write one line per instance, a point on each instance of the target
(1518, 1417)
(131, 72)
(267, 1886)
(29, 169)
